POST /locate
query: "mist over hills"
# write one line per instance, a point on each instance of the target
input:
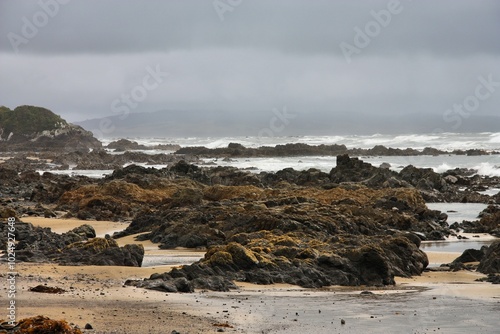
(171, 123)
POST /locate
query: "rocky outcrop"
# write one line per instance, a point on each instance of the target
(36, 244)
(299, 149)
(101, 252)
(488, 223)
(354, 170)
(122, 145)
(76, 247)
(118, 199)
(424, 178)
(29, 128)
(471, 255)
(267, 257)
(490, 263)
(306, 236)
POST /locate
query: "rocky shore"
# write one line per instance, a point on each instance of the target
(357, 225)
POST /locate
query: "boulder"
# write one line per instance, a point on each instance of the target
(470, 255)
(101, 252)
(490, 263)
(85, 230)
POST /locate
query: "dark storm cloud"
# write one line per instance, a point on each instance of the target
(249, 56)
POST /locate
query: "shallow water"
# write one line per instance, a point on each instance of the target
(458, 212)
(453, 246)
(154, 260)
(490, 192)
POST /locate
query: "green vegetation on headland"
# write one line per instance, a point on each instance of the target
(31, 128)
(28, 120)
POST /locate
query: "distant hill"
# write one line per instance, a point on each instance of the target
(37, 128)
(171, 123)
(175, 123)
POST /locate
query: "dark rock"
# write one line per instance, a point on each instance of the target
(470, 255)
(423, 178)
(300, 149)
(38, 244)
(489, 222)
(354, 170)
(46, 289)
(490, 263)
(385, 165)
(125, 145)
(85, 230)
(101, 252)
(492, 278)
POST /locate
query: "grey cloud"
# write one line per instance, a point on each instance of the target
(297, 26)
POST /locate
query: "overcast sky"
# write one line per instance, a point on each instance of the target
(83, 58)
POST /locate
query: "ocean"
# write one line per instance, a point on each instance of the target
(485, 165)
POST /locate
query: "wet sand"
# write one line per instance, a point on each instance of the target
(435, 302)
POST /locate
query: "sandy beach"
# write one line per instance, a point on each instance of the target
(434, 301)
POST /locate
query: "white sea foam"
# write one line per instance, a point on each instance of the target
(443, 141)
(487, 168)
(485, 165)
(93, 173)
(495, 138)
(442, 168)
